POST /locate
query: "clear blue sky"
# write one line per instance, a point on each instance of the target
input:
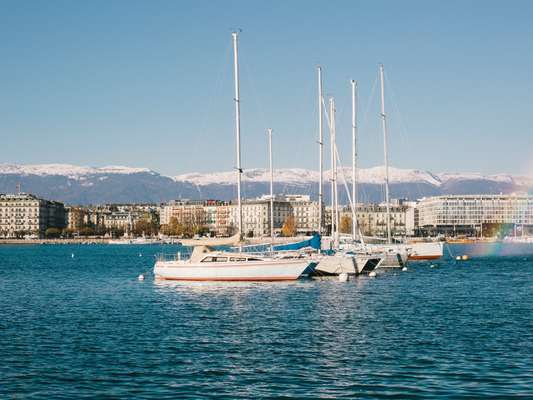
(149, 83)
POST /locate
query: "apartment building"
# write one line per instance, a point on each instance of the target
(372, 219)
(26, 214)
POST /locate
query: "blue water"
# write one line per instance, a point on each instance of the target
(84, 327)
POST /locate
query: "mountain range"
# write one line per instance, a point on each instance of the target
(116, 184)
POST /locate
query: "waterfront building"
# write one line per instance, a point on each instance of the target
(256, 216)
(475, 214)
(76, 217)
(25, 214)
(372, 219)
(209, 214)
(305, 212)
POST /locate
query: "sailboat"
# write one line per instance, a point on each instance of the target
(353, 261)
(396, 254)
(208, 264)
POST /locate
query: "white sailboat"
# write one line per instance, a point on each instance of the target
(396, 254)
(353, 261)
(207, 264)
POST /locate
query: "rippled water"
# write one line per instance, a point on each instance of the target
(85, 327)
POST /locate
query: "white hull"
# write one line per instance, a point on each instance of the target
(263, 270)
(426, 250)
(396, 255)
(340, 263)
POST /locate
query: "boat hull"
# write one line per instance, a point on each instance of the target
(426, 250)
(266, 271)
(349, 264)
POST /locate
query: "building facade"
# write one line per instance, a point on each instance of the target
(471, 214)
(372, 219)
(25, 214)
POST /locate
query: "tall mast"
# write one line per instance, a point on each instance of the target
(354, 158)
(269, 132)
(385, 150)
(237, 127)
(321, 150)
(335, 215)
(332, 169)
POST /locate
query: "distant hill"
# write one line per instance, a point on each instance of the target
(86, 185)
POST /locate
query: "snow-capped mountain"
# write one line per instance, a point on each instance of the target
(374, 175)
(72, 171)
(115, 184)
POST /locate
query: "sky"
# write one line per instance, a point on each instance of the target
(149, 83)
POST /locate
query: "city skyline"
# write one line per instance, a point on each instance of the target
(150, 85)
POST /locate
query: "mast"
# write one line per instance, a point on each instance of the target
(269, 133)
(321, 151)
(385, 150)
(237, 128)
(354, 158)
(332, 177)
(335, 200)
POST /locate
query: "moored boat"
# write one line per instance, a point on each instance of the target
(208, 265)
(347, 263)
(426, 250)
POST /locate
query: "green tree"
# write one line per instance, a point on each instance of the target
(52, 233)
(145, 226)
(86, 231)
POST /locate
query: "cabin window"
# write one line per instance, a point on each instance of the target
(233, 259)
(254, 259)
(215, 259)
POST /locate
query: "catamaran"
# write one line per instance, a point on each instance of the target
(208, 264)
(353, 261)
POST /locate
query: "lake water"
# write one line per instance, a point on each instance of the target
(85, 327)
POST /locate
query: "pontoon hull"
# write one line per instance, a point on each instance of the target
(345, 263)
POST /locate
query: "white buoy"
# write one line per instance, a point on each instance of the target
(432, 266)
(72, 255)
(140, 255)
(458, 258)
(372, 274)
(141, 277)
(343, 277)
(404, 269)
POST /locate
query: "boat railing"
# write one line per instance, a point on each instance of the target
(178, 256)
(283, 253)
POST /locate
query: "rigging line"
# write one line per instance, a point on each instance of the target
(403, 125)
(366, 195)
(346, 186)
(369, 103)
